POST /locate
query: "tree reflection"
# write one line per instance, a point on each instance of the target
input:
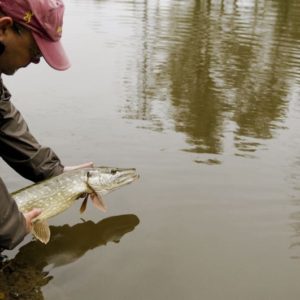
(219, 62)
(230, 67)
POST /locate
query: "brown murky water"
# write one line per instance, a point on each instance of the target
(202, 97)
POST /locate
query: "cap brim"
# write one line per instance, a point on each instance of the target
(53, 53)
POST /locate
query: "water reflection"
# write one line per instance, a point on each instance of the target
(25, 275)
(213, 67)
(295, 215)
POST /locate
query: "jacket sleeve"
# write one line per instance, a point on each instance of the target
(24, 154)
(12, 222)
(20, 149)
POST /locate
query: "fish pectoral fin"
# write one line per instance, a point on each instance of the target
(41, 230)
(84, 203)
(98, 201)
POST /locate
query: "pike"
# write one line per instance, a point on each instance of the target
(55, 195)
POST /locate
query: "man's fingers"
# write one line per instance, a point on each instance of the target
(34, 213)
(29, 216)
(81, 166)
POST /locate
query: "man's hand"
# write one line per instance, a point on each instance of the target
(85, 165)
(30, 216)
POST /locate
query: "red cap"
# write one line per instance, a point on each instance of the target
(45, 19)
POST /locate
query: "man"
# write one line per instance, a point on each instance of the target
(29, 30)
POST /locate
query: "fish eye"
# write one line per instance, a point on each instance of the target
(113, 172)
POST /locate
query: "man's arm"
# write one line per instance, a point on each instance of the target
(24, 154)
(12, 222)
(20, 149)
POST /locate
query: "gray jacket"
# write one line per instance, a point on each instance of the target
(25, 155)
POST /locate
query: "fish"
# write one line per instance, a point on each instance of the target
(55, 195)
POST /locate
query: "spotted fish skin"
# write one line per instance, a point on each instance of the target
(55, 195)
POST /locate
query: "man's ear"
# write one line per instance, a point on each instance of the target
(5, 22)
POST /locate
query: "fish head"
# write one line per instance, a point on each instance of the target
(106, 179)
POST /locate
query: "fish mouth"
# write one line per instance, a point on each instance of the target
(128, 177)
(115, 178)
(124, 178)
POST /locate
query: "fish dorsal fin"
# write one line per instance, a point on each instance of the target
(98, 201)
(84, 203)
(41, 230)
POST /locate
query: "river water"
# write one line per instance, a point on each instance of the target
(202, 97)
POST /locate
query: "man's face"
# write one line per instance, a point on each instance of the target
(20, 48)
